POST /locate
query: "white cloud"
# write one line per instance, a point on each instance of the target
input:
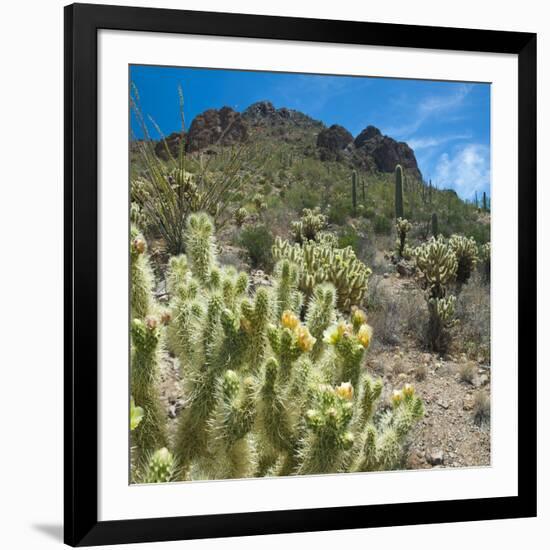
(466, 171)
(429, 142)
(432, 106)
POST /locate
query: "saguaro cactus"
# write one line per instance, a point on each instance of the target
(398, 191)
(354, 190)
(484, 201)
(435, 226)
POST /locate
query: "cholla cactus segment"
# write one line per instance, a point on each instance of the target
(437, 262)
(145, 337)
(320, 315)
(286, 293)
(465, 250)
(141, 276)
(402, 227)
(161, 467)
(240, 216)
(329, 437)
(321, 261)
(177, 273)
(200, 246)
(309, 226)
(136, 414)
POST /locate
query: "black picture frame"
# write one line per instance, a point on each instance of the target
(81, 25)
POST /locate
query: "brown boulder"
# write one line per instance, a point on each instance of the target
(216, 126)
(332, 141)
(386, 152)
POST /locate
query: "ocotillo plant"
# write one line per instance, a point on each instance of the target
(398, 191)
(354, 190)
(268, 393)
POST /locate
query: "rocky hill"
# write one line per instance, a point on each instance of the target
(370, 150)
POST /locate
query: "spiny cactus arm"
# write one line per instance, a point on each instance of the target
(177, 273)
(372, 389)
(145, 336)
(286, 293)
(161, 467)
(136, 414)
(141, 277)
(320, 315)
(255, 321)
(328, 441)
(200, 246)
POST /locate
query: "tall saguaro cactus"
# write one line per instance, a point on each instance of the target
(435, 226)
(354, 190)
(398, 191)
(484, 201)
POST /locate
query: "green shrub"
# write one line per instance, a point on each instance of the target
(257, 241)
(382, 225)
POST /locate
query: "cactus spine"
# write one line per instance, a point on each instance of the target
(398, 191)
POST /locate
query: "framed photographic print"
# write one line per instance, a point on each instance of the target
(300, 261)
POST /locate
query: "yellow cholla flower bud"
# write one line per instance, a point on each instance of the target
(396, 397)
(334, 334)
(139, 245)
(345, 391)
(408, 390)
(358, 316)
(305, 340)
(364, 335)
(289, 320)
(151, 323)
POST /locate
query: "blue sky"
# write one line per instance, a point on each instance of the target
(446, 123)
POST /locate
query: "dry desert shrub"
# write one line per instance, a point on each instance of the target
(473, 312)
(481, 408)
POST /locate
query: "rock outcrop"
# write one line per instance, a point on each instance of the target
(216, 126)
(263, 113)
(384, 152)
(332, 142)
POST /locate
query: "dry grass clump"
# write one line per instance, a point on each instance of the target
(467, 372)
(481, 408)
(421, 372)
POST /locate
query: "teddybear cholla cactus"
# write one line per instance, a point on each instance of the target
(309, 226)
(438, 264)
(267, 393)
(402, 226)
(465, 250)
(322, 261)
